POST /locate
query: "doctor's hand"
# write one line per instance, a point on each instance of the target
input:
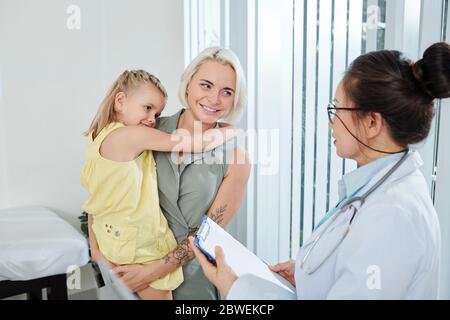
(286, 270)
(222, 276)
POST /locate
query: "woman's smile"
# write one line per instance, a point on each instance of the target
(209, 110)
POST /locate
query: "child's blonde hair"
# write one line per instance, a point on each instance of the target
(128, 80)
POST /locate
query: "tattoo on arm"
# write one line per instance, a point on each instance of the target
(182, 253)
(217, 216)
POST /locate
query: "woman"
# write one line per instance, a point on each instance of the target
(191, 185)
(386, 243)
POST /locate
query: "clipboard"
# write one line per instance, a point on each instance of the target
(238, 257)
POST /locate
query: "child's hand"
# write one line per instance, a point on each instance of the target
(200, 142)
(217, 137)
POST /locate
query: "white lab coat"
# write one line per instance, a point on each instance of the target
(391, 252)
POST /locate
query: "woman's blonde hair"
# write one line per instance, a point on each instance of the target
(127, 81)
(225, 57)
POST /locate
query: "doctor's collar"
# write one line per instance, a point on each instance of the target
(358, 178)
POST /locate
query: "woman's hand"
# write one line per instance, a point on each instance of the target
(137, 277)
(222, 276)
(286, 270)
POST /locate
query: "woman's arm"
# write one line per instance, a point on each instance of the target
(228, 200)
(130, 141)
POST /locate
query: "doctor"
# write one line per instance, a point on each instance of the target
(382, 239)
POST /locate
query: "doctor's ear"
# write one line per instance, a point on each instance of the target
(373, 124)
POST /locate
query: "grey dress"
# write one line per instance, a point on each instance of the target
(186, 191)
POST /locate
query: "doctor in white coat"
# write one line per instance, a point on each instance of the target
(382, 239)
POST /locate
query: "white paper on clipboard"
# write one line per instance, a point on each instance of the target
(238, 257)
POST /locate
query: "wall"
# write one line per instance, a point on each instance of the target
(53, 80)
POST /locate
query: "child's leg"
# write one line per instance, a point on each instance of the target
(155, 294)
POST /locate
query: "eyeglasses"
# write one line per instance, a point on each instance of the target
(331, 109)
(332, 114)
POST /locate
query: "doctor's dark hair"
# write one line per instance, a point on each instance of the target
(403, 92)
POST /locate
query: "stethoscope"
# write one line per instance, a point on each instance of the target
(344, 208)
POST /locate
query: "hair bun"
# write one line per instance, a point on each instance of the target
(433, 70)
(417, 70)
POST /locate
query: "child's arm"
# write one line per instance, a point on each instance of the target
(135, 139)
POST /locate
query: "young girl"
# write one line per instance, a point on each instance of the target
(126, 223)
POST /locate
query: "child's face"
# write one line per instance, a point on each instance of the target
(211, 92)
(140, 106)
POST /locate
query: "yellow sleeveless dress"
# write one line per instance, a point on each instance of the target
(123, 200)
